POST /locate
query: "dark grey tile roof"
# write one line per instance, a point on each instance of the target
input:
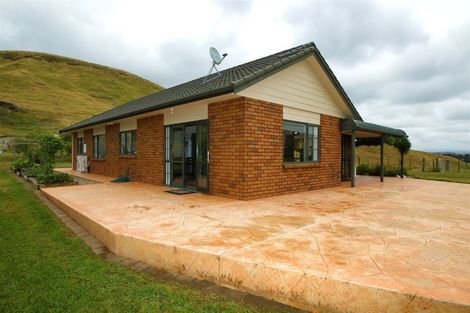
(231, 80)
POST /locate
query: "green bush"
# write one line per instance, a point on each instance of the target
(33, 171)
(394, 171)
(21, 164)
(54, 178)
(363, 169)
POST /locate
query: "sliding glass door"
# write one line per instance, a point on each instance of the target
(186, 150)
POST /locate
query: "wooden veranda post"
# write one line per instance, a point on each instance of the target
(401, 164)
(382, 141)
(353, 152)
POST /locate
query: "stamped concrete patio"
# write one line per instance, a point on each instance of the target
(398, 246)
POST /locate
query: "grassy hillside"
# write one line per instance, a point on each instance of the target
(413, 160)
(49, 91)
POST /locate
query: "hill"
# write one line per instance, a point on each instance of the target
(45, 92)
(413, 160)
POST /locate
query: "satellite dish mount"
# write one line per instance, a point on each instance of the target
(216, 60)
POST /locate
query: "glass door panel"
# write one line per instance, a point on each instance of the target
(190, 156)
(202, 166)
(177, 142)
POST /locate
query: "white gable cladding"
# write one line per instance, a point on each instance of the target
(298, 115)
(303, 89)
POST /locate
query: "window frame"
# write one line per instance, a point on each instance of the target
(133, 138)
(80, 146)
(96, 145)
(305, 152)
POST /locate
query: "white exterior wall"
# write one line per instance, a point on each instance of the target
(128, 124)
(186, 113)
(99, 130)
(300, 116)
(303, 89)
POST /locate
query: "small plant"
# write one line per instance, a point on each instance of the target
(33, 171)
(363, 169)
(54, 178)
(21, 164)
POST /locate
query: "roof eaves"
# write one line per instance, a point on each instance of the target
(202, 96)
(350, 124)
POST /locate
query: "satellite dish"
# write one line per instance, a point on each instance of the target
(216, 60)
(215, 55)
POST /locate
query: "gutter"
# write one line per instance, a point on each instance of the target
(201, 96)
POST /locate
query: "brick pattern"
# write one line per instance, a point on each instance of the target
(150, 149)
(247, 152)
(146, 166)
(227, 149)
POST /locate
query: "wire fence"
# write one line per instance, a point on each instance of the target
(424, 164)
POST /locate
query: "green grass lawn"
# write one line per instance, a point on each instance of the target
(44, 268)
(454, 176)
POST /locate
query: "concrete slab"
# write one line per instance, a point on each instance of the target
(398, 246)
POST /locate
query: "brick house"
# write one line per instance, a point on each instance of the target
(280, 124)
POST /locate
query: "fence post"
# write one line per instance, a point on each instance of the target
(458, 166)
(424, 164)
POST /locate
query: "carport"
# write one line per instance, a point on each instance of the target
(369, 133)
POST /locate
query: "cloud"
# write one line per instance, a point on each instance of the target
(349, 32)
(402, 65)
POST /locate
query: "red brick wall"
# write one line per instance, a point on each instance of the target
(246, 145)
(246, 152)
(146, 166)
(227, 147)
(150, 149)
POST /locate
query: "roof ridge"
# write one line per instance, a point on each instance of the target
(230, 80)
(306, 48)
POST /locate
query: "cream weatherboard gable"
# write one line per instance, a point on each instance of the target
(303, 89)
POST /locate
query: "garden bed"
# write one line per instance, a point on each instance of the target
(34, 182)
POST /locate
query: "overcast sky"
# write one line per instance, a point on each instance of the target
(404, 64)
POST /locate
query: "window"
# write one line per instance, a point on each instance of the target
(98, 147)
(301, 142)
(80, 146)
(128, 142)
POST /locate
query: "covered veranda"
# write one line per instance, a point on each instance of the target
(372, 134)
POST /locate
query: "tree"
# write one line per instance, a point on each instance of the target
(403, 146)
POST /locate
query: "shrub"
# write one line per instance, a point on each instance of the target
(21, 164)
(49, 145)
(33, 171)
(54, 178)
(363, 169)
(394, 171)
